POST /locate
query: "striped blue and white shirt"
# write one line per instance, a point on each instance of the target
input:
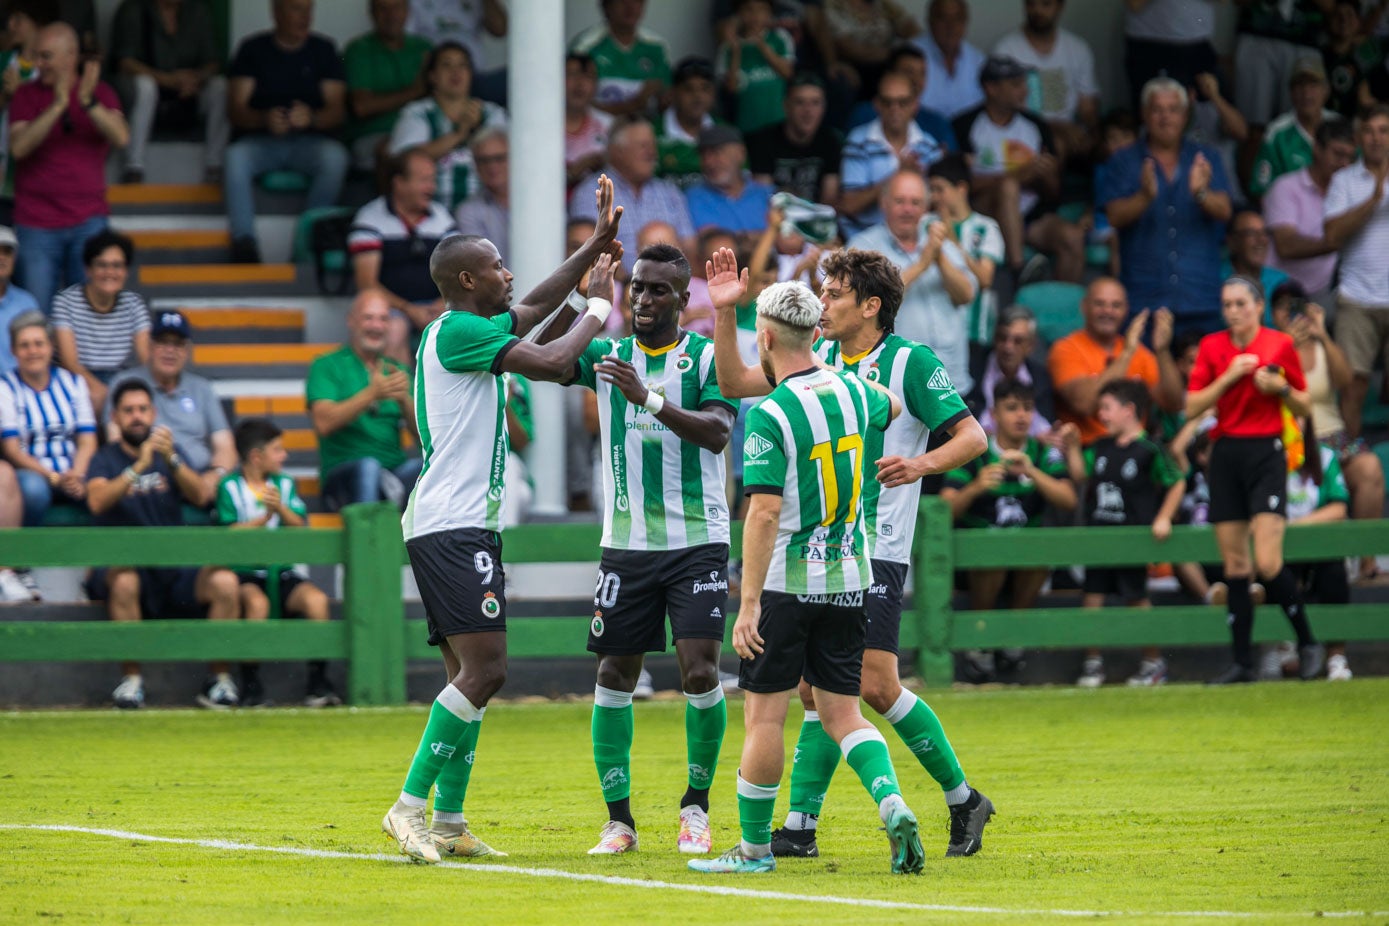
(47, 421)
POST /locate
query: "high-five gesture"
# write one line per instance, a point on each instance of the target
(600, 277)
(726, 285)
(605, 228)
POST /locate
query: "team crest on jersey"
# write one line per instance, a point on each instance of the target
(684, 364)
(940, 381)
(755, 446)
(491, 607)
(1129, 469)
(597, 626)
(873, 374)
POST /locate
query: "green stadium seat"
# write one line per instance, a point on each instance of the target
(67, 516)
(1056, 305)
(283, 181)
(334, 260)
(1382, 451)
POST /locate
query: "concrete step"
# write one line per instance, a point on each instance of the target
(243, 325)
(287, 411)
(258, 361)
(181, 281)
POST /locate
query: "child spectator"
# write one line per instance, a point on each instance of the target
(260, 495)
(978, 236)
(1127, 474)
(1009, 485)
(754, 62)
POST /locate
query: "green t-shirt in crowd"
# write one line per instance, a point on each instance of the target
(376, 432)
(370, 65)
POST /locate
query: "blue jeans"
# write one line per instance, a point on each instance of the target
(38, 496)
(51, 258)
(323, 160)
(358, 481)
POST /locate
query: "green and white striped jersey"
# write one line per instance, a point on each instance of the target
(930, 402)
(660, 492)
(806, 442)
(238, 504)
(460, 410)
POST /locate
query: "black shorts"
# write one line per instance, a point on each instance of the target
(461, 581)
(884, 605)
(1247, 476)
(1127, 582)
(289, 581)
(815, 637)
(167, 592)
(636, 589)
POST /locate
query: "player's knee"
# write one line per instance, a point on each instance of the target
(615, 677)
(1269, 565)
(701, 677)
(880, 694)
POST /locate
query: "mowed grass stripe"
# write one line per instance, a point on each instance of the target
(1270, 800)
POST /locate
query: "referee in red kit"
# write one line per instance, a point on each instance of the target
(1250, 373)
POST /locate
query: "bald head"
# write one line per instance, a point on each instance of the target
(469, 273)
(56, 52)
(1104, 308)
(367, 322)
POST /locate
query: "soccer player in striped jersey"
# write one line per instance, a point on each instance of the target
(663, 428)
(805, 570)
(453, 520)
(861, 294)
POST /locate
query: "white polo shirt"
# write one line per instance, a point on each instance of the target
(1364, 270)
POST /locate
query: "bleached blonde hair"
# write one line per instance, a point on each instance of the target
(791, 303)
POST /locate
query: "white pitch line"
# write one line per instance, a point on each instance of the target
(490, 868)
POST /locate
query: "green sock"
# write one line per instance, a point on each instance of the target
(449, 720)
(813, 767)
(866, 752)
(452, 784)
(756, 804)
(920, 729)
(612, 741)
(706, 718)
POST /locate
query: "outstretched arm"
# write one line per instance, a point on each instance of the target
(554, 362)
(545, 298)
(737, 380)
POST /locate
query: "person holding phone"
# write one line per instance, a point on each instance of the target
(1250, 374)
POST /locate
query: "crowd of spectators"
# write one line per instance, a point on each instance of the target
(979, 173)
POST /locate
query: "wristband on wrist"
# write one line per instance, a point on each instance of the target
(175, 461)
(131, 476)
(576, 301)
(600, 309)
(654, 402)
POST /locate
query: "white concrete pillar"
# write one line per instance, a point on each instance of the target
(535, 104)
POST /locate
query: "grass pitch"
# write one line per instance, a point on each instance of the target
(1182, 804)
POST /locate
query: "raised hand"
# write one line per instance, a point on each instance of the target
(991, 476)
(271, 499)
(1134, 335)
(600, 276)
(605, 226)
(91, 76)
(726, 285)
(1208, 85)
(1162, 329)
(161, 441)
(1199, 180)
(1147, 179)
(1067, 435)
(1243, 365)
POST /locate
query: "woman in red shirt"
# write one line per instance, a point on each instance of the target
(1249, 374)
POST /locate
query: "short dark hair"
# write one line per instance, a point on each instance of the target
(1130, 392)
(1010, 388)
(582, 60)
(134, 384)
(42, 12)
(1121, 118)
(1184, 341)
(708, 234)
(868, 274)
(1337, 129)
(804, 79)
(667, 254)
(106, 238)
(398, 165)
(904, 50)
(953, 169)
(437, 52)
(254, 434)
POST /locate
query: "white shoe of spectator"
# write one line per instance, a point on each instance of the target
(130, 693)
(645, 689)
(1151, 672)
(1338, 669)
(26, 578)
(220, 693)
(1092, 675)
(12, 590)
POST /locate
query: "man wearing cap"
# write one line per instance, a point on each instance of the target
(727, 196)
(13, 300)
(1288, 141)
(679, 126)
(876, 151)
(1016, 172)
(1068, 96)
(184, 402)
(799, 155)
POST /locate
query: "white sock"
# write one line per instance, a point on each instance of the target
(890, 803)
(450, 819)
(958, 794)
(795, 820)
(756, 849)
(409, 800)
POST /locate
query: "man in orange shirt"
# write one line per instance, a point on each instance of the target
(1083, 362)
